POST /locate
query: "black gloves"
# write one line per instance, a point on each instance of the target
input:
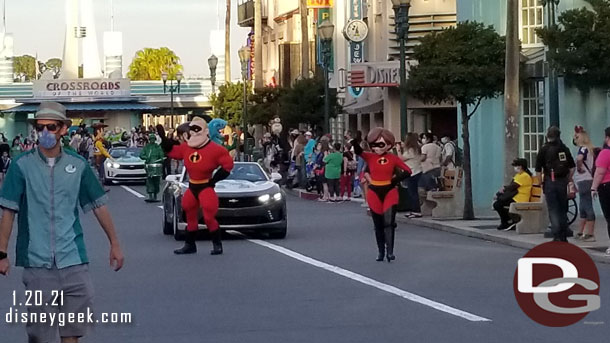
(166, 143)
(399, 177)
(219, 175)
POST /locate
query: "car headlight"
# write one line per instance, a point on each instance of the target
(116, 165)
(264, 198)
(277, 196)
(109, 165)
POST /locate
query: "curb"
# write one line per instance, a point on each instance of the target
(479, 234)
(462, 231)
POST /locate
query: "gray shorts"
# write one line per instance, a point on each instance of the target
(76, 284)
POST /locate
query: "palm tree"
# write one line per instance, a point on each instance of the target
(228, 43)
(149, 63)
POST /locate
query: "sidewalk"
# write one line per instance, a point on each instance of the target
(485, 228)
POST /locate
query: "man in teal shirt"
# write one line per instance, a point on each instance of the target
(332, 171)
(45, 186)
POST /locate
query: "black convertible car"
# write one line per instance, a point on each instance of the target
(249, 201)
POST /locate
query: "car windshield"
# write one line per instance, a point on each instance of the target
(125, 152)
(248, 172)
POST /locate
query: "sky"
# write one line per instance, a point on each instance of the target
(38, 27)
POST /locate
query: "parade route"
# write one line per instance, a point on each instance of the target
(320, 284)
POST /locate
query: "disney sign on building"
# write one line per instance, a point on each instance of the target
(383, 74)
(82, 88)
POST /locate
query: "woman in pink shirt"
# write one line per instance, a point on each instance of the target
(601, 180)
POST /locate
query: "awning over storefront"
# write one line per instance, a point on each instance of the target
(372, 103)
(90, 106)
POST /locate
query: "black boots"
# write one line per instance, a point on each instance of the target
(216, 242)
(389, 232)
(379, 237)
(190, 247)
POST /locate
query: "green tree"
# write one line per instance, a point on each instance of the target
(24, 67)
(578, 45)
(228, 102)
(303, 103)
(53, 64)
(464, 63)
(148, 64)
(264, 105)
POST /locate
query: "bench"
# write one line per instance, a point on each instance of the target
(534, 216)
(448, 202)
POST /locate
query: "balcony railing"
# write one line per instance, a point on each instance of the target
(420, 25)
(245, 12)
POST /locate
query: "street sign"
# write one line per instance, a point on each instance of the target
(320, 3)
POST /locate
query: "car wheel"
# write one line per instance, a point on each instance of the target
(107, 181)
(168, 226)
(179, 235)
(280, 234)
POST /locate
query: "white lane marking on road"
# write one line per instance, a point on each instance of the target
(354, 276)
(161, 207)
(368, 281)
(133, 192)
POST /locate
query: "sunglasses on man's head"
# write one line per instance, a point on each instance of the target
(378, 145)
(50, 127)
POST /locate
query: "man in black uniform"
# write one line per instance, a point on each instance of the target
(557, 166)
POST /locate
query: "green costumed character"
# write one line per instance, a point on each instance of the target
(153, 156)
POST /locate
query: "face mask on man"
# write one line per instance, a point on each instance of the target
(444, 140)
(517, 170)
(47, 139)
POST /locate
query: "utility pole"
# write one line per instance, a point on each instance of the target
(511, 88)
(304, 38)
(553, 82)
(228, 43)
(259, 79)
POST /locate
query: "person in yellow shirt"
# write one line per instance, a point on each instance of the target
(100, 153)
(519, 190)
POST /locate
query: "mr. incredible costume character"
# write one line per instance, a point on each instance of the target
(206, 164)
(382, 195)
(153, 157)
(217, 136)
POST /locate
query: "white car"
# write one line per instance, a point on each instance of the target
(127, 166)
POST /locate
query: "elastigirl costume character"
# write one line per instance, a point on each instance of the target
(206, 164)
(382, 195)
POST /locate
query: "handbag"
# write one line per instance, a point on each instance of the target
(507, 195)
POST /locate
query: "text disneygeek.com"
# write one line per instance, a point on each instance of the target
(16, 316)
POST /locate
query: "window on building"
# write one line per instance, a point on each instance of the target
(532, 17)
(534, 127)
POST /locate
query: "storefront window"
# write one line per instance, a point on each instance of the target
(532, 17)
(533, 120)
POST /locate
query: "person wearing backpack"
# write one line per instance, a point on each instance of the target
(557, 166)
(583, 178)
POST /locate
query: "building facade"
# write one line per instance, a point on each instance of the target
(371, 105)
(591, 110)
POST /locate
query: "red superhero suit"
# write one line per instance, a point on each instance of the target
(206, 163)
(382, 195)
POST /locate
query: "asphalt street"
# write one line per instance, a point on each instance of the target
(320, 284)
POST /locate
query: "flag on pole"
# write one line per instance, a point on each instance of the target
(37, 67)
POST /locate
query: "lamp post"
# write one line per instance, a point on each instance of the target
(244, 58)
(551, 7)
(326, 31)
(401, 24)
(212, 63)
(172, 89)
